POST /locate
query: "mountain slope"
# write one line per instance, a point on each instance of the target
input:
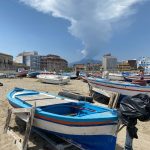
(86, 61)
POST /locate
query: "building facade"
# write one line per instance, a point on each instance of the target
(144, 62)
(124, 66)
(53, 63)
(80, 67)
(87, 67)
(133, 64)
(30, 59)
(6, 62)
(109, 62)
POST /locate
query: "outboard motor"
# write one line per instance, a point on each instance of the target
(132, 109)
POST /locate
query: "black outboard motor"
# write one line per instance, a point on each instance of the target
(133, 108)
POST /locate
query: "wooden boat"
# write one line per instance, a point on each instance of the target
(53, 79)
(116, 76)
(96, 75)
(139, 82)
(47, 73)
(33, 74)
(11, 75)
(2, 75)
(72, 75)
(124, 88)
(88, 126)
(137, 77)
(22, 73)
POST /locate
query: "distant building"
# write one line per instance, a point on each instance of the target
(53, 63)
(80, 67)
(87, 67)
(30, 59)
(144, 62)
(124, 66)
(132, 63)
(36, 62)
(6, 61)
(109, 62)
(93, 67)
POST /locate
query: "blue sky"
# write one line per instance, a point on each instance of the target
(74, 32)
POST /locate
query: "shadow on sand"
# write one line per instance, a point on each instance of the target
(118, 147)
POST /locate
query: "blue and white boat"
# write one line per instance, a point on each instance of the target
(137, 77)
(72, 75)
(124, 88)
(116, 76)
(32, 74)
(88, 126)
(53, 79)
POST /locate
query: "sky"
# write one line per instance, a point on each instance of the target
(76, 29)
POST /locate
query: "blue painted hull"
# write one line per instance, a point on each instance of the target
(99, 142)
(128, 79)
(92, 127)
(33, 74)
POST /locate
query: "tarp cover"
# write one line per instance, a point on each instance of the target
(133, 108)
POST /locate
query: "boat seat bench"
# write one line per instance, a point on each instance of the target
(41, 100)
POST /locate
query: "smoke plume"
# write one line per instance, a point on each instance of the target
(92, 21)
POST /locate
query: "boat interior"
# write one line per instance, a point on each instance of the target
(58, 105)
(71, 109)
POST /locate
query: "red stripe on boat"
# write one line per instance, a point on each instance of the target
(71, 123)
(119, 87)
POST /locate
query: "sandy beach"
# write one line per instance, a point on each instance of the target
(142, 143)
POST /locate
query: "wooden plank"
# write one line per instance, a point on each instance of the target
(48, 140)
(78, 146)
(42, 100)
(111, 101)
(23, 116)
(21, 145)
(17, 140)
(8, 120)
(21, 110)
(36, 97)
(54, 145)
(117, 96)
(47, 102)
(28, 128)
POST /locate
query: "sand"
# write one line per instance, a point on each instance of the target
(6, 142)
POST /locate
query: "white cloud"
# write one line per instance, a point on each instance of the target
(84, 52)
(92, 21)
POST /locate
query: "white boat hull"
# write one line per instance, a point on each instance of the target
(53, 79)
(125, 89)
(75, 130)
(116, 77)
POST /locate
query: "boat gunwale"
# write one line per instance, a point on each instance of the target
(70, 119)
(123, 84)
